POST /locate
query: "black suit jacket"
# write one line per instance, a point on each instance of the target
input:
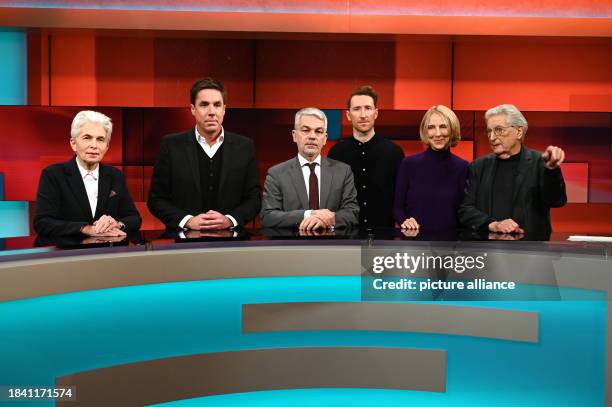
(175, 185)
(536, 190)
(62, 207)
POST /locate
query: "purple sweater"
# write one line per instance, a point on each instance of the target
(430, 188)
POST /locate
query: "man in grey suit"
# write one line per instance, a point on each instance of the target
(310, 191)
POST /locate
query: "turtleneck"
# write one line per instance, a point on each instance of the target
(503, 187)
(438, 154)
(430, 189)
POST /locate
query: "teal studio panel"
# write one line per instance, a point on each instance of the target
(13, 69)
(334, 124)
(15, 219)
(46, 337)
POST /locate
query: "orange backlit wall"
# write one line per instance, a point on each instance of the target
(141, 79)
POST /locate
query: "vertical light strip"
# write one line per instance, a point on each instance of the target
(13, 69)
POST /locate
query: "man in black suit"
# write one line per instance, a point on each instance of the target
(512, 190)
(205, 178)
(84, 196)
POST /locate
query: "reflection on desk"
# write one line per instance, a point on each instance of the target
(162, 237)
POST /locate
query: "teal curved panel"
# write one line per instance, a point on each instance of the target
(46, 337)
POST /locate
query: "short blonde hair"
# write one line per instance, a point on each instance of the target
(451, 119)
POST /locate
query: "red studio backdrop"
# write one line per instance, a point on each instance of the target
(141, 79)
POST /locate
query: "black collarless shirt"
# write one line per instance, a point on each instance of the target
(374, 164)
(503, 187)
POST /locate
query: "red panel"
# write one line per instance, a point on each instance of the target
(38, 67)
(298, 74)
(134, 177)
(159, 122)
(422, 74)
(465, 150)
(149, 222)
(34, 137)
(576, 176)
(25, 242)
(534, 75)
(147, 174)
(73, 69)
(124, 71)
(179, 62)
(579, 218)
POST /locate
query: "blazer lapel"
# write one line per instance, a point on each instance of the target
(487, 182)
(228, 153)
(104, 187)
(523, 166)
(78, 188)
(297, 178)
(191, 152)
(327, 176)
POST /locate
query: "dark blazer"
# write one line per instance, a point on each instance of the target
(285, 198)
(536, 190)
(176, 188)
(62, 207)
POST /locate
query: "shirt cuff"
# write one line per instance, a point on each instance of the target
(307, 213)
(183, 222)
(234, 223)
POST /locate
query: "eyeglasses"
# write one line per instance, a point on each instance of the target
(497, 131)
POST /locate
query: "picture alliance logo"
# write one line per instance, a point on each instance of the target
(411, 263)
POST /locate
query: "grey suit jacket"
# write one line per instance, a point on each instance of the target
(285, 199)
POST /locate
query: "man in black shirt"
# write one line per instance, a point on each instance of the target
(373, 159)
(512, 190)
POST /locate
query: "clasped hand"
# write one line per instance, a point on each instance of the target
(319, 218)
(105, 226)
(505, 226)
(211, 220)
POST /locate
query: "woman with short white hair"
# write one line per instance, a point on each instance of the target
(83, 196)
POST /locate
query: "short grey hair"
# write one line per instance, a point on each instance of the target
(310, 111)
(514, 117)
(89, 116)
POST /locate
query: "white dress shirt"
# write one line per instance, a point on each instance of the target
(210, 151)
(90, 179)
(306, 174)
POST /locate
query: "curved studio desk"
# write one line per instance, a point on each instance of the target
(282, 322)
